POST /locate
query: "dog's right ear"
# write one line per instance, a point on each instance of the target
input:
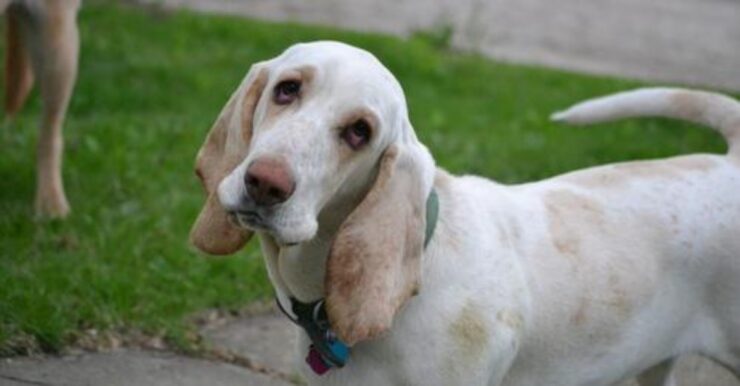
(225, 148)
(374, 266)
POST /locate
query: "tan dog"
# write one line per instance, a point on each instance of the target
(43, 44)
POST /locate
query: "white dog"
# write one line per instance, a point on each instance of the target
(584, 279)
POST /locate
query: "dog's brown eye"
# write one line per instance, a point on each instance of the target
(287, 91)
(357, 134)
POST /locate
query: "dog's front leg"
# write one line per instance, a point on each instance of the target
(55, 41)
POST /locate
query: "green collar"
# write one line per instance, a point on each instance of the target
(432, 215)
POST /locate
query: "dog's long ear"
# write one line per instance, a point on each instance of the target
(375, 261)
(225, 147)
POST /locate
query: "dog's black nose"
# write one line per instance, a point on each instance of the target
(269, 181)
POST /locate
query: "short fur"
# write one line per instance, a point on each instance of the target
(587, 278)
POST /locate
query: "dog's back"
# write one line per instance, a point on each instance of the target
(643, 257)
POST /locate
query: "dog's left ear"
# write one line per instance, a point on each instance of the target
(224, 148)
(374, 265)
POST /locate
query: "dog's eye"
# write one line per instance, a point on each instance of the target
(357, 134)
(287, 91)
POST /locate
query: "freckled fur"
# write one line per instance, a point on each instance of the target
(470, 332)
(564, 209)
(581, 279)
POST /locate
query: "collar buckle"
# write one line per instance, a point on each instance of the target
(326, 351)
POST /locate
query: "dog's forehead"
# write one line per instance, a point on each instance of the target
(337, 61)
(328, 53)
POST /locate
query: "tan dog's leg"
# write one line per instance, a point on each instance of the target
(18, 75)
(55, 41)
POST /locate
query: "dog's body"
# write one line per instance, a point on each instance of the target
(583, 279)
(42, 44)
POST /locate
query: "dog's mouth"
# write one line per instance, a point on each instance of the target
(249, 219)
(252, 220)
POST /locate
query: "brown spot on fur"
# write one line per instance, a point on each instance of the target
(617, 300)
(565, 209)
(568, 246)
(469, 332)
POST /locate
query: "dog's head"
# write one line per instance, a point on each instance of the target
(308, 133)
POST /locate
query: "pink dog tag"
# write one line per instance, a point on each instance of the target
(316, 362)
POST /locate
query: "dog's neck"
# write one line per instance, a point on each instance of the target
(298, 271)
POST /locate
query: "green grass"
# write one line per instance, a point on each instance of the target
(150, 85)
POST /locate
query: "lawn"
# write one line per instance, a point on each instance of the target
(150, 85)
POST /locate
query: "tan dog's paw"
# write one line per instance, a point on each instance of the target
(51, 205)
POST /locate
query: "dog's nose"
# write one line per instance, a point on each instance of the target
(269, 181)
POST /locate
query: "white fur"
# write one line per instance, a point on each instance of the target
(583, 279)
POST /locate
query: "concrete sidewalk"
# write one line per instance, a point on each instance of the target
(129, 367)
(694, 42)
(263, 340)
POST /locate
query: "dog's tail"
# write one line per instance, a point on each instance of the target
(717, 111)
(18, 73)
